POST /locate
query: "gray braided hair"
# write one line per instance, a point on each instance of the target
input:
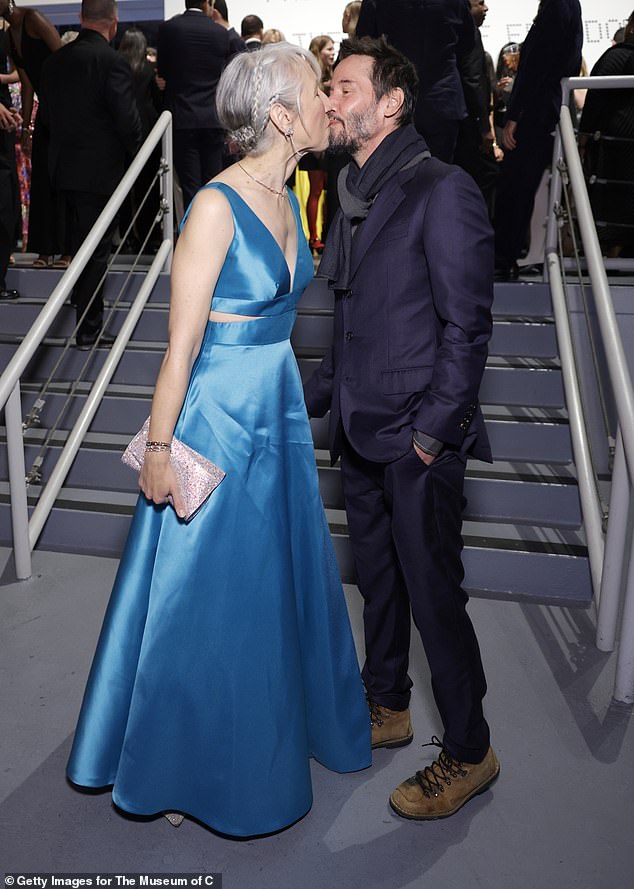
(251, 83)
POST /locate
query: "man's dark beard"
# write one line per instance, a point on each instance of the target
(351, 139)
(342, 144)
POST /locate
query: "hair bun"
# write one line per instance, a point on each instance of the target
(244, 138)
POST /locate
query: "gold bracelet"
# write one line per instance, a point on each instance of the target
(157, 446)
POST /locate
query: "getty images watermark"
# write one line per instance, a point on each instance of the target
(113, 881)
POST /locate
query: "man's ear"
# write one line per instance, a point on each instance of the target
(395, 99)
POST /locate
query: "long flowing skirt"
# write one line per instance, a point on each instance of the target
(226, 658)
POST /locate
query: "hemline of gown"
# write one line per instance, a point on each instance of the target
(130, 809)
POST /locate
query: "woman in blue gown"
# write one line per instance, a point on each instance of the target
(226, 660)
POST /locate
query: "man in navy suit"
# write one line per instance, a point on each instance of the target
(410, 258)
(192, 53)
(551, 51)
(434, 35)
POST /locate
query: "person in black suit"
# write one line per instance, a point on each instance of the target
(9, 189)
(94, 125)
(551, 51)
(410, 259)
(434, 35)
(192, 53)
(476, 146)
(252, 31)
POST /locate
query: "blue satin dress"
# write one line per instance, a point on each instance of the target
(226, 658)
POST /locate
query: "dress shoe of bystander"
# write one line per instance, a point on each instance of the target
(85, 341)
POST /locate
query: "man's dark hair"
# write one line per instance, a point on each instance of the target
(251, 26)
(221, 6)
(194, 4)
(391, 69)
(98, 10)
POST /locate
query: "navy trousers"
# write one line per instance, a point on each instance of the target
(405, 521)
(197, 158)
(521, 173)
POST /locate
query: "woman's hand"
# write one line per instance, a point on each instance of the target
(158, 481)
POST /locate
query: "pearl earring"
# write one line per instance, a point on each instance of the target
(289, 132)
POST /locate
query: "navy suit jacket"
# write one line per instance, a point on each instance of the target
(87, 103)
(433, 34)
(410, 336)
(192, 52)
(552, 50)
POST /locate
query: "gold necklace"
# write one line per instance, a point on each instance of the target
(280, 194)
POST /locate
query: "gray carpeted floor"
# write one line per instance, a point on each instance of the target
(560, 816)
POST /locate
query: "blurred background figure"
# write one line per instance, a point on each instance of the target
(351, 18)
(272, 35)
(606, 142)
(220, 15)
(551, 51)
(148, 101)
(505, 74)
(475, 149)
(434, 35)
(9, 188)
(316, 165)
(252, 30)
(32, 39)
(94, 132)
(192, 53)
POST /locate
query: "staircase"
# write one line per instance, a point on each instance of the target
(522, 526)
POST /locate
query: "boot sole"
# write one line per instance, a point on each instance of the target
(396, 742)
(476, 792)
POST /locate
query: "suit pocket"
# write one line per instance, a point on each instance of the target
(406, 379)
(394, 232)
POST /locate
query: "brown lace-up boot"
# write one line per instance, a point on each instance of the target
(390, 728)
(442, 788)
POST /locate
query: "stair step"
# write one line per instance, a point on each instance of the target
(502, 561)
(40, 283)
(528, 299)
(500, 492)
(152, 324)
(527, 384)
(532, 338)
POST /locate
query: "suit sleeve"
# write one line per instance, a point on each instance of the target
(121, 104)
(236, 43)
(466, 31)
(318, 389)
(368, 24)
(162, 52)
(459, 249)
(542, 64)
(476, 97)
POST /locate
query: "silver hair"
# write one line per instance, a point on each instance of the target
(251, 83)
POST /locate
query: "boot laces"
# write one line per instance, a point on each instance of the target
(375, 710)
(433, 779)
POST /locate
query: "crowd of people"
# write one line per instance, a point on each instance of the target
(489, 118)
(226, 659)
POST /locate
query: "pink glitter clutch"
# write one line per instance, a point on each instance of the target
(197, 476)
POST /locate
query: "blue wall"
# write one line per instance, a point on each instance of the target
(129, 11)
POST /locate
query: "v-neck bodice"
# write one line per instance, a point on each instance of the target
(255, 278)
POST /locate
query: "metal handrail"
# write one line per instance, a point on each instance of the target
(25, 531)
(75, 437)
(607, 571)
(40, 326)
(568, 84)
